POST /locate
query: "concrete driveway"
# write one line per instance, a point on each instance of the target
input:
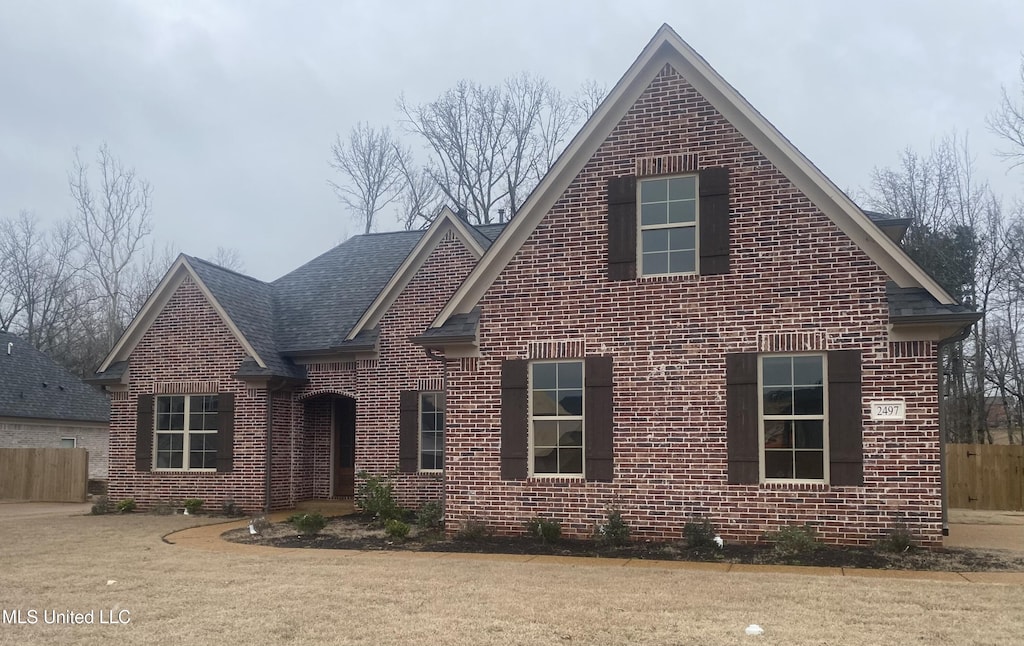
(987, 530)
(13, 510)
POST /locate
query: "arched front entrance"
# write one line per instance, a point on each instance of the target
(343, 451)
(328, 447)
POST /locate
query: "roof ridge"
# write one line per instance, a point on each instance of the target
(224, 269)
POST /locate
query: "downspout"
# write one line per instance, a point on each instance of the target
(960, 336)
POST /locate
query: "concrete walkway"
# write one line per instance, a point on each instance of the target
(208, 537)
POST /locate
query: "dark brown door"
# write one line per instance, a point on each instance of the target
(344, 447)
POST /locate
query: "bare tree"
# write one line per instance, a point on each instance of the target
(228, 258)
(113, 222)
(1008, 122)
(420, 199)
(490, 145)
(948, 237)
(370, 162)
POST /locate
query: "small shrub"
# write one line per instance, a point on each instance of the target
(308, 524)
(794, 540)
(396, 528)
(126, 506)
(700, 533)
(230, 509)
(102, 506)
(473, 530)
(193, 505)
(431, 515)
(376, 497)
(898, 540)
(613, 531)
(548, 531)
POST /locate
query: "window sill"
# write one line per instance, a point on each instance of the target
(666, 278)
(155, 470)
(795, 485)
(555, 478)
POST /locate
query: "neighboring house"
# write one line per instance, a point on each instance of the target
(685, 319)
(44, 405)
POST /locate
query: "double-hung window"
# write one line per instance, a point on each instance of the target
(668, 225)
(186, 431)
(556, 417)
(431, 431)
(793, 417)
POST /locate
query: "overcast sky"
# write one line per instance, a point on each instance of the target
(229, 109)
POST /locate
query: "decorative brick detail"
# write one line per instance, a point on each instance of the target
(186, 387)
(431, 384)
(666, 164)
(792, 342)
(573, 349)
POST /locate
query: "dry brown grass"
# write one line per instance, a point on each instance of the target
(178, 595)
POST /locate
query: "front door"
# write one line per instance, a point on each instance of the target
(344, 447)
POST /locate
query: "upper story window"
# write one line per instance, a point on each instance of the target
(556, 417)
(668, 225)
(793, 417)
(186, 431)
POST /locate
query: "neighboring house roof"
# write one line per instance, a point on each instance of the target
(33, 386)
(329, 305)
(667, 48)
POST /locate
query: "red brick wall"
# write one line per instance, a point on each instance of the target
(400, 365)
(189, 349)
(792, 272)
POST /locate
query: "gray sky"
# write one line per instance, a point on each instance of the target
(229, 108)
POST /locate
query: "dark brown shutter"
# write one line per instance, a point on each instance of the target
(226, 431)
(408, 430)
(744, 451)
(622, 228)
(846, 452)
(714, 221)
(514, 419)
(144, 430)
(598, 419)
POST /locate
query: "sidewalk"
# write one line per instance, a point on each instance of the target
(208, 537)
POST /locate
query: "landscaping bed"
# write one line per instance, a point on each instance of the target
(796, 547)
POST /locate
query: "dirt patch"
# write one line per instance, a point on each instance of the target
(357, 533)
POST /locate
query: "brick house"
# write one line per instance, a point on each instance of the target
(685, 318)
(42, 405)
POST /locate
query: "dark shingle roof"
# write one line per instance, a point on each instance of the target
(33, 386)
(318, 303)
(915, 304)
(458, 328)
(249, 303)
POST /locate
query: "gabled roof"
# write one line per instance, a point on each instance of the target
(35, 387)
(446, 223)
(667, 48)
(233, 291)
(329, 305)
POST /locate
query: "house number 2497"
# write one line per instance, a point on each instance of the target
(889, 410)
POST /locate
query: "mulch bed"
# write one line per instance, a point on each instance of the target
(357, 533)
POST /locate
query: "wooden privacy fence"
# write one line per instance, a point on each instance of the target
(44, 475)
(985, 476)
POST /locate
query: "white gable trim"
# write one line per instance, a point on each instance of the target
(445, 222)
(155, 304)
(668, 47)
